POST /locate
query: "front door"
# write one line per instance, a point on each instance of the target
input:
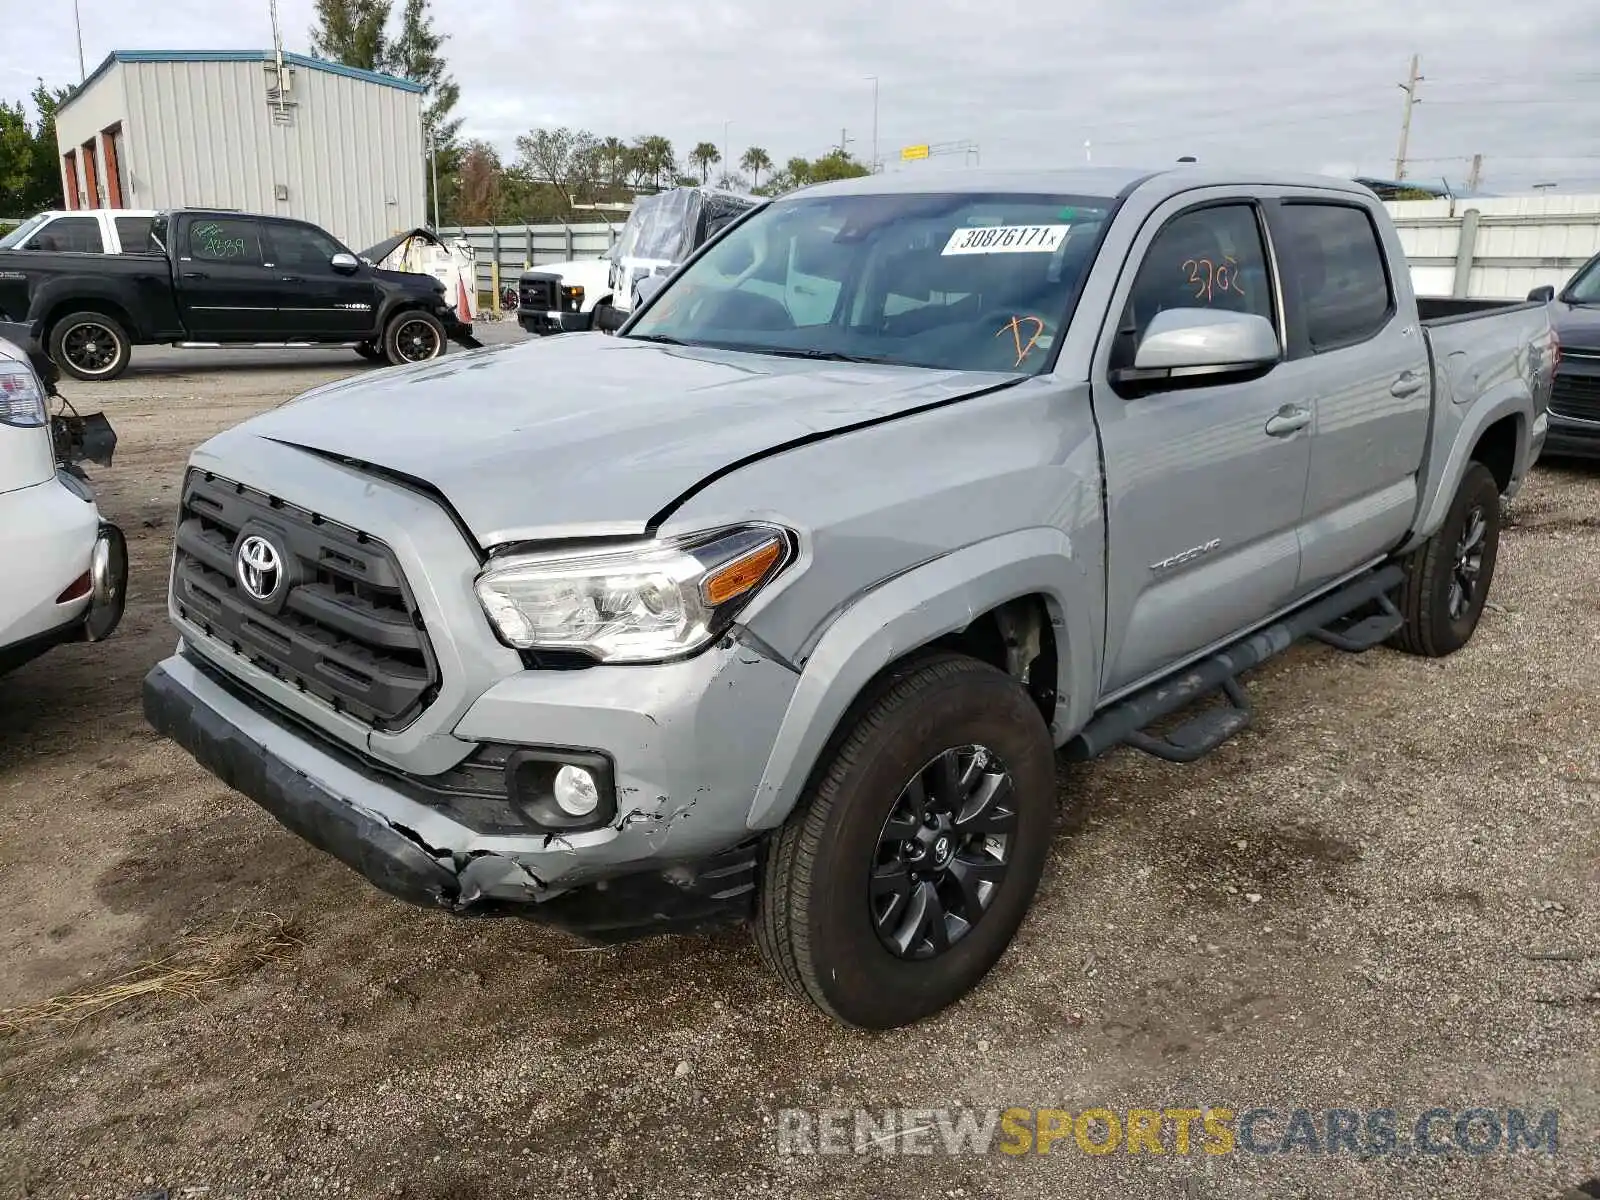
(225, 291)
(1203, 502)
(316, 301)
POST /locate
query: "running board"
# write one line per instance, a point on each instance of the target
(1124, 720)
(266, 345)
(1362, 635)
(1201, 733)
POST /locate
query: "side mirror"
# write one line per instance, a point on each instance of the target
(345, 264)
(647, 287)
(1203, 341)
(1542, 295)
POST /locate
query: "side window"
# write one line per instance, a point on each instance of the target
(134, 234)
(301, 247)
(1205, 258)
(1335, 272)
(224, 240)
(81, 234)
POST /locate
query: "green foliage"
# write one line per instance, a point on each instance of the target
(30, 168)
(802, 172)
(351, 32)
(755, 160)
(705, 156)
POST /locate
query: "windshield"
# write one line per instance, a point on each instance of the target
(959, 281)
(23, 232)
(1585, 286)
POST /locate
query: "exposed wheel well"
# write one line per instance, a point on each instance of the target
(1018, 638)
(1497, 449)
(107, 308)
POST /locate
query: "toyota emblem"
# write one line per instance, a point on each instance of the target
(259, 567)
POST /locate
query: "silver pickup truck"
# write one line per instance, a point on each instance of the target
(778, 605)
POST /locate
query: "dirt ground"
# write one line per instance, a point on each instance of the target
(1385, 894)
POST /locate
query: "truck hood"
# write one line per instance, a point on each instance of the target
(1577, 325)
(587, 435)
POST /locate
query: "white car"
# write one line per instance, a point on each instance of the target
(66, 568)
(85, 230)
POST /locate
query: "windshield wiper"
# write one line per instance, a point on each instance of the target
(819, 355)
(660, 339)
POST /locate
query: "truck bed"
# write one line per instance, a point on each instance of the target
(1447, 310)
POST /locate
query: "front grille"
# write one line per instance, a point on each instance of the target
(538, 292)
(343, 629)
(1576, 396)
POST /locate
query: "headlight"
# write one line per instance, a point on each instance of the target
(21, 397)
(645, 603)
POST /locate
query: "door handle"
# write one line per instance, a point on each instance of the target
(195, 275)
(1287, 420)
(290, 279)
(1407, 384)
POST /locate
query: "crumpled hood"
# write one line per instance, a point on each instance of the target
(1577, 325)
(588, 435)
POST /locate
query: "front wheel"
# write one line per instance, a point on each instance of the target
(904, 873)
(90, 346)
(1447, 577)
(413, 337)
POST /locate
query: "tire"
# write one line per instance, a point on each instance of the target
(1438, 620)
(370, 352)
(820, 908)
(405, 338)
(90, 346)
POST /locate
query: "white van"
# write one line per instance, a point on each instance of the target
(66, 568)
(86, 230)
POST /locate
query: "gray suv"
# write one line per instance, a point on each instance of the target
(778, 605)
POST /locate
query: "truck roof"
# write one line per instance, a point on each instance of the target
(1076, 181)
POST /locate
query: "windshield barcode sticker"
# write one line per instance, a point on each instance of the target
(1007, 239)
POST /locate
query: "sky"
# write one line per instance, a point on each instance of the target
(1295, 84)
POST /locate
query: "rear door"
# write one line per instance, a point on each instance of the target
(1356, 353)
(226, 292)
(315, 300)
(1203, 503)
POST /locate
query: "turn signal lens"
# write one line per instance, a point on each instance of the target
(743, 573)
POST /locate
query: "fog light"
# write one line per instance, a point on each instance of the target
(576, 791)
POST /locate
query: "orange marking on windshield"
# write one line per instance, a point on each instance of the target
(1014, 326)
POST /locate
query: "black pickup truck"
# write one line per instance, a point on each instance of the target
(224, 278)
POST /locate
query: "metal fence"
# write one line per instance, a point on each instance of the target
(1496, 247)
(1485, 248)
(504, 251)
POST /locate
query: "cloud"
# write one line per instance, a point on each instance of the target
(1144, 80)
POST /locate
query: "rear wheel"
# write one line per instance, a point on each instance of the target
(90, 346)
(413, 337)
(903, 875)
(1447, 577)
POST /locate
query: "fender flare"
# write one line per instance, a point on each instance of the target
(1485, 413)
(909, 611)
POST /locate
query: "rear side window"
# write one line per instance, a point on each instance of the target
(1336, 273)
(223, 240)
(81, 234)
(134, 234)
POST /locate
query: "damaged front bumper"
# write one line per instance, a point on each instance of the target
(650, 874)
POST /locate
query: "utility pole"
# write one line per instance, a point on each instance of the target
(433, 170)
(844, 141)
(1477, 173)
(1409, 87)
(874, 79)
(77, 21)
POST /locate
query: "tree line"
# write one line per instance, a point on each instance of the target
(30, 168)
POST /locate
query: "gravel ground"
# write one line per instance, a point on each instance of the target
(1384, 895)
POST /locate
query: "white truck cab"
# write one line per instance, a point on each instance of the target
(85, 230)
(661, 232)
(66, 568)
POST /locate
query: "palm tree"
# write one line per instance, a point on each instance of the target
(703, 156)
(655, 158)
(755, 161)
(614, 154)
